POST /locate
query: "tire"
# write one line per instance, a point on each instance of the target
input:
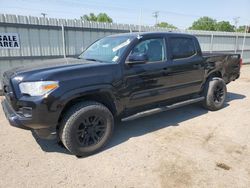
(215, 92)
(86, 128)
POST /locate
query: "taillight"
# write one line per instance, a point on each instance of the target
(241, 62)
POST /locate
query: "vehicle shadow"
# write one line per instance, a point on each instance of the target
(234, 96)
(134, 128)
(50, 145)
(145, 125)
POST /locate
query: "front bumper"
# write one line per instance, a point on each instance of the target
(40, 115)
(13, 118)
(16, 120)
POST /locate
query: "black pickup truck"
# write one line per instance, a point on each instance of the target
(119, 77)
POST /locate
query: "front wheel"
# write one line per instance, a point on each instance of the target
(215, 92)
(86, 128)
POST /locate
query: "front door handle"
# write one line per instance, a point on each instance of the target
(166, 71)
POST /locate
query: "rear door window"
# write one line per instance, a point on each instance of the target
(182, 47)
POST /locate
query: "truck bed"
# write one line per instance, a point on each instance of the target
(229, 63)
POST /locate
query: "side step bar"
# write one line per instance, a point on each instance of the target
(163, 108)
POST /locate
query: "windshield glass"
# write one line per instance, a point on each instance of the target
(108, 49)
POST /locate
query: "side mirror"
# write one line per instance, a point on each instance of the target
(137, 59)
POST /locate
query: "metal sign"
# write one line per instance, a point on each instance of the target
(9, 41)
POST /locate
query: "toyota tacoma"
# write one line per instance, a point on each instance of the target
(118, 77)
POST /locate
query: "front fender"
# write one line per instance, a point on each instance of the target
(64, 99)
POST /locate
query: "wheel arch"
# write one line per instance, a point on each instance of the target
(216, 73)
(103, 96)
(211, 75)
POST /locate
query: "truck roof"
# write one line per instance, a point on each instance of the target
(135, 34)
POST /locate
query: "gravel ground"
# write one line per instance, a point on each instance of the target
(186, 147)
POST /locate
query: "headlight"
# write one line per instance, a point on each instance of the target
(38, 88)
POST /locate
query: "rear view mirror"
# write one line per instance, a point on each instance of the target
(137, 58)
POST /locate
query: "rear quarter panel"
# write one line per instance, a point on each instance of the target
(227, 64)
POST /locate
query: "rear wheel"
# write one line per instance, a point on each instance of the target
(86, 128)
(215, 92)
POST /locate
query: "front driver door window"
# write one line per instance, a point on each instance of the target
(153, 48)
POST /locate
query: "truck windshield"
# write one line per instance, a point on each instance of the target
(108, 49)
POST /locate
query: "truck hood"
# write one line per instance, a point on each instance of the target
(71, 73)
(58, 68)
(53, 64)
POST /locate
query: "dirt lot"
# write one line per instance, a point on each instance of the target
(186, 147)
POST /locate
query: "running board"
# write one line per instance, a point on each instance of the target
(162, 109)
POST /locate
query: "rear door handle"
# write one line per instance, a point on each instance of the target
(197, 65)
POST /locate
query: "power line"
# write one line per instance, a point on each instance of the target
(97, 4)
(78, 11)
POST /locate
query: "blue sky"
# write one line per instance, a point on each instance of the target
(177, 12)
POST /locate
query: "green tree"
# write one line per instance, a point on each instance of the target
(166, 25)
(204, 23)
(242, 29)
(90, 17)
(101, 17)
(224, 26)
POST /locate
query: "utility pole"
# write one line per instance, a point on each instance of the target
(156, 15)
(236, 21)
(44, 14)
